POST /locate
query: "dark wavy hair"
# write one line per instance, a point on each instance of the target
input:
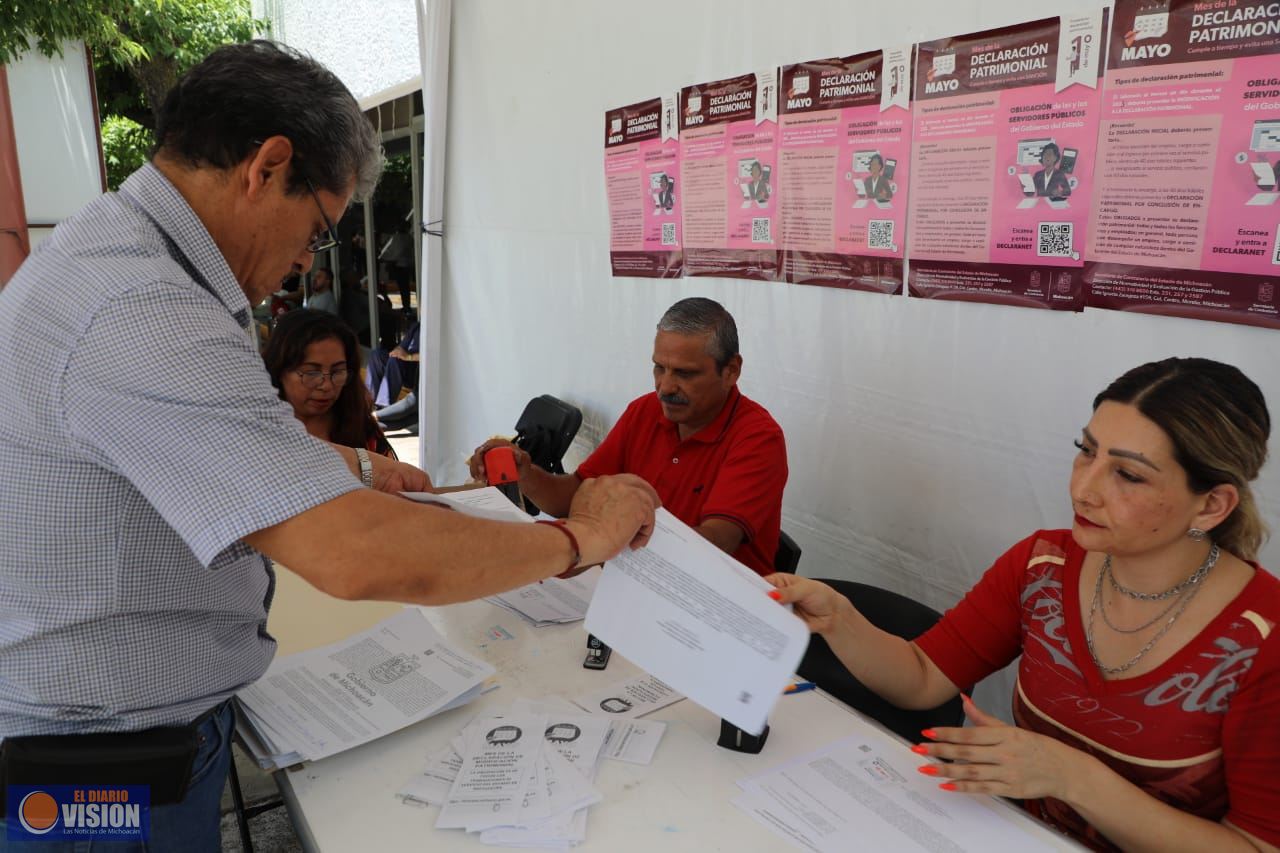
(353, 424)
(221, 109)
(1217, 420)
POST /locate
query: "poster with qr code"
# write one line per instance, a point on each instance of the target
(643, 183)
(1187, 219)
(1003, 149)
(844, 155)
(729, 159)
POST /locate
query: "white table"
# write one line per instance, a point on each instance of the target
(680, 802)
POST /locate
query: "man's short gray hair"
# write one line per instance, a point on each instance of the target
(698, 315)
(243, 93)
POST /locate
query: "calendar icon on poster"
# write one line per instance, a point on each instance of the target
(1151, 26)
(1151, 21)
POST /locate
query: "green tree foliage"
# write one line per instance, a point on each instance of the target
(154, 41)
(125, 145)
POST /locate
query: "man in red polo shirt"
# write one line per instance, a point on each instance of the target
(717, 459)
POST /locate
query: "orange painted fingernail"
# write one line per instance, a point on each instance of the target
(965, 697)
(775, 595)
(928, 769)
(948, 786)
(920, 749)
(929, 733)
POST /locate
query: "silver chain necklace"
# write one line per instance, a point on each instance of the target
(1196, 577)
(1192, 584)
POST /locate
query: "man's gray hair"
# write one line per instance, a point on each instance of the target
(243, 93)
(698, 315)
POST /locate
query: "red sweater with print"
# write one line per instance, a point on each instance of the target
(1200, 732)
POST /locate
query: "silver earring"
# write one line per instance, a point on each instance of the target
(1197, 534)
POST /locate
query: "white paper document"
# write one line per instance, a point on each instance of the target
(864, 793)
(553, 601)
(634, 741)
(317, 703)
(634, 697)
(550, 602)
(486, 502)
(694, 617)
(495, 773)
(432, 785)
(520, 778)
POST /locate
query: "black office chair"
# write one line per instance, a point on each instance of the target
(788, 555)
(545, 430)
(898, 615)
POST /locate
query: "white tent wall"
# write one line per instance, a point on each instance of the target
(372, 45)
(56, 132)
(924, 438)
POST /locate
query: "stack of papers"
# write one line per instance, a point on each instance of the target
(317, 703)
(553, 601)
(524, 778)
(864, 793)
(550, 602)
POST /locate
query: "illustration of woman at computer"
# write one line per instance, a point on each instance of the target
(758, 188)
(1051, 181)
(664, 198)
(876, 184)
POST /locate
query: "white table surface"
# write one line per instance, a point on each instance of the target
(680, 802)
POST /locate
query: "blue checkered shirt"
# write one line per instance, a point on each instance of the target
(140, 440)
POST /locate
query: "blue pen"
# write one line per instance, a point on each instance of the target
(800, 687)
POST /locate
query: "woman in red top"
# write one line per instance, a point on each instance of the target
(312, 357)
(1148, 694)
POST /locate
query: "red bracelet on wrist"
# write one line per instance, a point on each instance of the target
(573, 541)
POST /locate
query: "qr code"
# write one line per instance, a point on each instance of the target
(1055, 240)
(761, 230)
(668, 233)
(880, 234)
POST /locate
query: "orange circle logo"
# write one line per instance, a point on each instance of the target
(38, 812)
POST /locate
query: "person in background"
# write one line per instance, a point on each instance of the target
(388, 371)
(311, 357)
(1148, 688)
(322, 292)
(716, 458)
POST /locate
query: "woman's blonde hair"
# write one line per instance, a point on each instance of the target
(1217, 420)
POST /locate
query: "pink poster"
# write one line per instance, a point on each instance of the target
(642, 179)
(1186, 220)
(1003, 144)
(843, 166)
(729, 160)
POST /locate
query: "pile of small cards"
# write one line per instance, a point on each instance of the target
(525, 778)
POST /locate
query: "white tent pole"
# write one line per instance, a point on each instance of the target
(434, 18)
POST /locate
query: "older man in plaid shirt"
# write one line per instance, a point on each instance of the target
(150, 470)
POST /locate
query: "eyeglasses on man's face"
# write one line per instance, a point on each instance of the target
(326, 239)
(313, 379)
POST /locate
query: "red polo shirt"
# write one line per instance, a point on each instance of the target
(734, 468)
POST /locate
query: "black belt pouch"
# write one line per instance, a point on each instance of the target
(160, 758)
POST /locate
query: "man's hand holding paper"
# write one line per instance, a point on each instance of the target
(694, 617)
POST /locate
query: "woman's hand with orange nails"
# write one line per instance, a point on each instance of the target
(1003, 760)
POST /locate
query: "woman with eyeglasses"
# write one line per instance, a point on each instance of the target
(312, 357)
